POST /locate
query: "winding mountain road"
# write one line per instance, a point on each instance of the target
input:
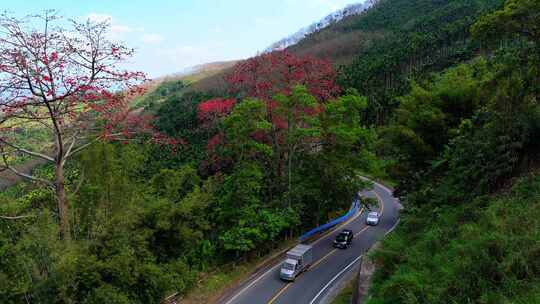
(330, 264)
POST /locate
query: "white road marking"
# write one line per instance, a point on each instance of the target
(251, 284)
(385, 189)
(380, 185)
(356, 260)
(334, 278)
(393, 228)
(279, 263)
(317, 241)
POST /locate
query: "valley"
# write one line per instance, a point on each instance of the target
(191, 187)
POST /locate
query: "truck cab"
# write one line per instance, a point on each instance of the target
(289, 270)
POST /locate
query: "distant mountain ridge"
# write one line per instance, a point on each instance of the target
(198, 72)
(206, 67)
(352, 9)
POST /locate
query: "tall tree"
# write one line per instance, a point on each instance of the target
(518, 18)
(65, 81)
(277, 74)
(298, 120)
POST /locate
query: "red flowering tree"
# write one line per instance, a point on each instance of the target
(210, 112)
(279, 72)
(67, 82)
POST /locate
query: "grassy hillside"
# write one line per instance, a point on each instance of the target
(206, 70)
(149, 218)
(420, 37)
(175, 85)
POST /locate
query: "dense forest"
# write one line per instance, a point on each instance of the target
(441, 98)
(229, 178)
(464, 146)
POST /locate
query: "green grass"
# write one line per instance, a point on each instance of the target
(212, 285)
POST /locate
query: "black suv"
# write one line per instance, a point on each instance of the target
(344, 239)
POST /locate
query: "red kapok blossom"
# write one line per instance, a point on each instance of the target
(213, 109)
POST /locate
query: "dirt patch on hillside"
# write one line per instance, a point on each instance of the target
(8, 178)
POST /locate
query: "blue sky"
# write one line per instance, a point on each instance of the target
(171, 35)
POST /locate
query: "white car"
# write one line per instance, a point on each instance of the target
(373, 218)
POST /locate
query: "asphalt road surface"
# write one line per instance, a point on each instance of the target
(329, 264)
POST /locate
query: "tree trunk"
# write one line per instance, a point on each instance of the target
(62, 201)
(289, 179)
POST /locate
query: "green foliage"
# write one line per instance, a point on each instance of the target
(241, 210)
(430, 115)
(247, 118)
(107, 294)
(466, 136)
(177, 117)
(147, 220)
(484, 251)
(32, 137)
(158, 95)
(145, 224)
(131, 242)
(175, 184)
(327, 181)
(518, 18)
(419, 37)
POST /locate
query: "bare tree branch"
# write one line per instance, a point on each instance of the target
(25, 151)
(15, 217)
(64, 81)
(24, 175)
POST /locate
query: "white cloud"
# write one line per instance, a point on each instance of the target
(121, 29)
(151, 38)
(117, 29)
(169, 59)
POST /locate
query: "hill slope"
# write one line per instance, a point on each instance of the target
(381, 48)
(395, 41)
(202, 71)
(335, 17)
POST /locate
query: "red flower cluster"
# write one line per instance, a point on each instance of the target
(264, 77)
(213, 109)
(278, 72)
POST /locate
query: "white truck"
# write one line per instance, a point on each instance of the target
(298, 260)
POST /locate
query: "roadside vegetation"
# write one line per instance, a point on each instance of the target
(466, 149)
(228, 180)
(439, 97)
(345, 295)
